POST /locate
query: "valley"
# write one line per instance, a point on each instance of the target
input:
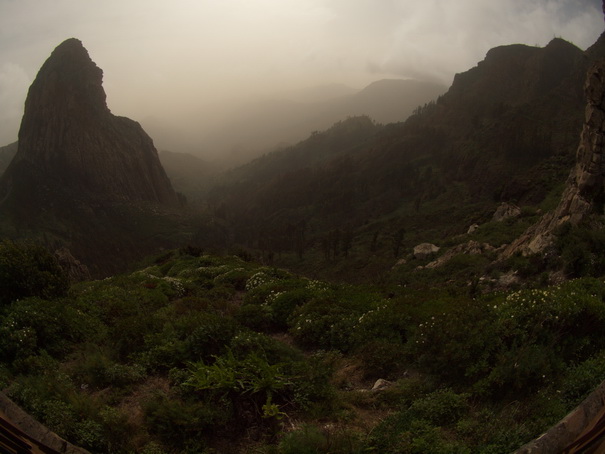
(376, 287)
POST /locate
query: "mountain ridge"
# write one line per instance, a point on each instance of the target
(263, 125)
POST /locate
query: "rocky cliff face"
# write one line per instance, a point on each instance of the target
(83, 178)
(70, 139)
(584, 192)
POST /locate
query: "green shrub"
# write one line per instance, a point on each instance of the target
(381, 359)
(440, 408)
(322, 324)
(416, 436)
(26, 270)
(32, 324)
(257, 279)
(235, 277)
(311, 440)
(255, 316)
(251, 379)
(177, 422)
(189, 337)
(582, 249)
(458, 345)
(308, 440)
(94, 368)
(248, 342)
(581, 380)
(88, 434)
(284, 303)
(513, 344)
(420, 427)
(386, 321)
(210, 337)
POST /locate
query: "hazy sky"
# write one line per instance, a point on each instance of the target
(171, 58)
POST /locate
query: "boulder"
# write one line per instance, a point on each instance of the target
(381, 384)
(506, 211)
(425, 250)
(508, 279)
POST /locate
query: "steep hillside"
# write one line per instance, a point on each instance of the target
(198, 353)
(506, 130)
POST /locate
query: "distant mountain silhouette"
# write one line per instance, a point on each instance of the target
(265, 125)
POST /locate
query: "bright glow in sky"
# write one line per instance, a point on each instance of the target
(190, 58)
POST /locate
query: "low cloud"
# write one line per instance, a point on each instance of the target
(186, 60)
(440, 38)
(14, 81)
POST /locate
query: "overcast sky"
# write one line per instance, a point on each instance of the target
(171, 58)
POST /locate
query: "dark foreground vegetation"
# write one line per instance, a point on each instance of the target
(203, 354)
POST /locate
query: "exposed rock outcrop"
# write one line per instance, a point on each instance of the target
(584, 189)
(472, 228)
(70, 139)
(425, 250)
(506, 211)
(381, 384)
(470, 248)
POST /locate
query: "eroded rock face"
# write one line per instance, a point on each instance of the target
(69, 137)
(584, 189)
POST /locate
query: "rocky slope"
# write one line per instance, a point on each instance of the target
(584, 191)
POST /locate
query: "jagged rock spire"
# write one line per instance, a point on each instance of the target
(69, 138)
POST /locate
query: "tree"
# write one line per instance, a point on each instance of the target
(397, 240)
(347, 241)
(28, 269)
(374, 243)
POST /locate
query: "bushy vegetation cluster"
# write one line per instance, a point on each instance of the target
(195, 353)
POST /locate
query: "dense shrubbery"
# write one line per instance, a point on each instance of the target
(27, 269)
(205, 349)
(582, 250)
(514, 343)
